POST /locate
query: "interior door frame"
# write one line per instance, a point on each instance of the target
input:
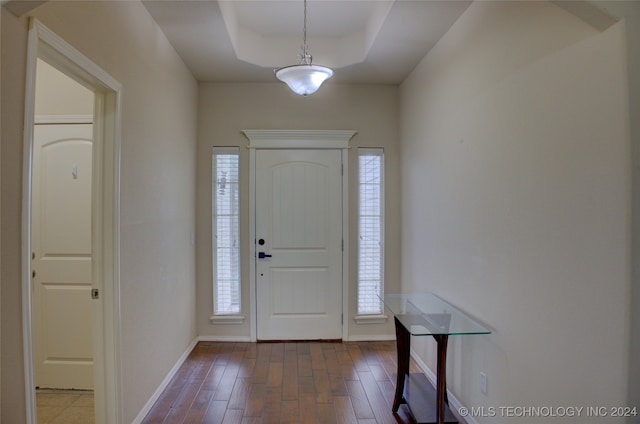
(46, 45)
(292, 140)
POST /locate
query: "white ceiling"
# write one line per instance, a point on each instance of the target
(365, 41)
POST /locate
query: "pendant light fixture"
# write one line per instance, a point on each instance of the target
(304, 78)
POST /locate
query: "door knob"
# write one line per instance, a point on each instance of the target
(262, 255)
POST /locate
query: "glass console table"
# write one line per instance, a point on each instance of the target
(426, 315)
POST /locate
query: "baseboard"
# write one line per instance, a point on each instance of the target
(224, 339)
(371, 338)
(454, 403)
(152, 400)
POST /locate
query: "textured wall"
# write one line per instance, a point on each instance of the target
(516, 197)
(158, 139)
(227, 109)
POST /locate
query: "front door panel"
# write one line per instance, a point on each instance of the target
(299, 222)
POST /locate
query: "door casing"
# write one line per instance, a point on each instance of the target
(298, 139)
(46, 45)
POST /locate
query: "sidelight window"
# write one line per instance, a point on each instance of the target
(226, 231)
(370, 231)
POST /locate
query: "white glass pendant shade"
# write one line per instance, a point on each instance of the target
(304, 79)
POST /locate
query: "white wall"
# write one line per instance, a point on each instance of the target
(516, 204)
(57, 94)
(227, 109)
(13, 407)
(629, 13)
(1, 256)
(159, 101)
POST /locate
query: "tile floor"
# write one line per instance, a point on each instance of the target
(65, 407)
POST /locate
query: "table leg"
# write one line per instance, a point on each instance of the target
(441, 376)
(403, 346)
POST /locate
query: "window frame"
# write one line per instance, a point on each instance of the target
(371, 315)
(226, 315)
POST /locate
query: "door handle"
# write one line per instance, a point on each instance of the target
(262, 255)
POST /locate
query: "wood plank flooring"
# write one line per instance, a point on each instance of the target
(289, 382)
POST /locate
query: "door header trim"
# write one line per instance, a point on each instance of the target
(299, 139)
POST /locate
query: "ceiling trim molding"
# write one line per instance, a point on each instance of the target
(268, 49)
(588, 12)
(20, 8)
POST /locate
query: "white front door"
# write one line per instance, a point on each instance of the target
(299, 224)
(61, 240)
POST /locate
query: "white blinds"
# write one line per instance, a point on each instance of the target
(370, 237)
(226, 231)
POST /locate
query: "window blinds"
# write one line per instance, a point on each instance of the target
(370, 237)
(226, 231)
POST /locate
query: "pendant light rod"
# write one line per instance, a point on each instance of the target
(306, 57)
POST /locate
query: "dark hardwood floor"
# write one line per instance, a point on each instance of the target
(292, 382)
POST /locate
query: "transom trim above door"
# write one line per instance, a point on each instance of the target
(299, 139)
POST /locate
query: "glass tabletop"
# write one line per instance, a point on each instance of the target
(426, 314)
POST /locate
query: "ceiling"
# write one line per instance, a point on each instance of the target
(365, 41)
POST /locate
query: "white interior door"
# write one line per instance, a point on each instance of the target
(299, 223)
(61, 240)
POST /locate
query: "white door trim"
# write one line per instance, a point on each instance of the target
(46, 45)
(63, 119)
(298, 139)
